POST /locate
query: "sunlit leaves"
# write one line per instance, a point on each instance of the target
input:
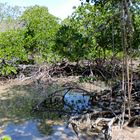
(40, 29)
(33, 40)
(11, 50)
(71, 44)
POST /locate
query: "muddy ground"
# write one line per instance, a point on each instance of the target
(125, 133)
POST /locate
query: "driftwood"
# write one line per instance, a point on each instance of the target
(96, 122)
(57, 98)
(107, 109)
(109, 112)
(65, 68)
(96, 126)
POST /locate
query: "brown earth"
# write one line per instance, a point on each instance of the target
(126, 133)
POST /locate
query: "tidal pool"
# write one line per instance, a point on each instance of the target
(78, 101)
(18, 121)
(29, 131)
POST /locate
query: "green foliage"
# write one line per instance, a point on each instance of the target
(70, 43)
(136, 36)
(11, 50)
(100, 22)
(87, 79)
(6, 138)
(96, 23)
(33, 40)
(8, 69)
(92, 31)
(40, 29)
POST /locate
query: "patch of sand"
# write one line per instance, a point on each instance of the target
(126, 133)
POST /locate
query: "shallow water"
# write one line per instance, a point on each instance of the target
(17, 120)
(78, 101)
(29, 131)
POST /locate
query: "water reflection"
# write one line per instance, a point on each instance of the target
(77, 101)
(29, 131)
(17, 120)
(26, 131)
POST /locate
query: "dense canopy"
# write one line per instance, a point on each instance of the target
(94, 30)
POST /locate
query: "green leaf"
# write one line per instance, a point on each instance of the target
(6, 138)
